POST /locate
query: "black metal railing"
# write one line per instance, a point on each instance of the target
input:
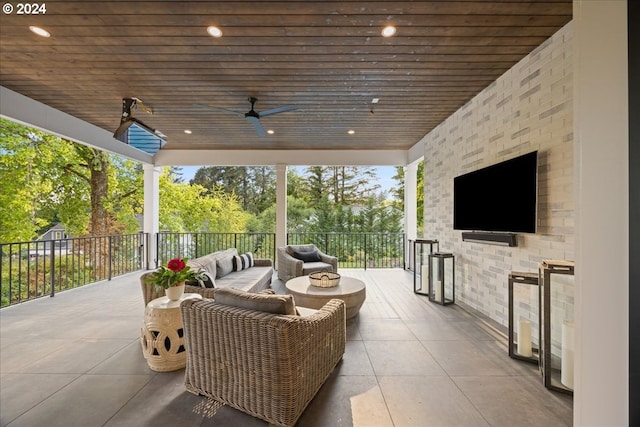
(357, 250)
(193, 245)
(30, 270)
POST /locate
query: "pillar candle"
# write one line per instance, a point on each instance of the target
(524, 338)
(425, 279)
(566, 366)
(438, 290)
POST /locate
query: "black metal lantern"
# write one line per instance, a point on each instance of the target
(421, 251)
(556, 280)
(442, 278)
(524, 330)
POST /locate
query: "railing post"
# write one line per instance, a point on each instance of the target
(141, 246)
(157, 254)
(365, 251)
(110, 243)
(196, 252)
(404, 251)
(52, 267)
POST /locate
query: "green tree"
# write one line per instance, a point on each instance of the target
(27, 156)
(398, 193)
(193, 208)
(48, 179)
(253, 186)
(352, 185)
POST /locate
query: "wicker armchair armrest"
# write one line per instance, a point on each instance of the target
(329, 259)
(267, 365)
(288, 266)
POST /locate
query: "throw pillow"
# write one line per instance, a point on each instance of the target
(224, 266)
(312, 256)
(242, 262)
(206, 280)
(269, 303)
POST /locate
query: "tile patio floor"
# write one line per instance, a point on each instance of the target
(75, 360)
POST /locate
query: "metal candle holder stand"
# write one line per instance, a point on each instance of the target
(439, 280)
(530, 279)
(547, 269)
(421, 264)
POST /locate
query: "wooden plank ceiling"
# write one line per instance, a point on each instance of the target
(328, 58)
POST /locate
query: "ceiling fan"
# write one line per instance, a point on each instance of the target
(252, 115)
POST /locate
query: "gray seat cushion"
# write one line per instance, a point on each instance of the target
(311, 267)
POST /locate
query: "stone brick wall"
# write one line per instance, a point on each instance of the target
(528, 108)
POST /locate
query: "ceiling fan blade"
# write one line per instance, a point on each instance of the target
(224, 110)
(255, 121)
(277, 110)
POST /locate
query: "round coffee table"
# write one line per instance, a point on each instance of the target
(351, 290)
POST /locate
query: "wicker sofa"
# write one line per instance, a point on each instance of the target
(253, 279)
(267, 365)
(292, 261)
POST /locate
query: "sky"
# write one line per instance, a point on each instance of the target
(385, 175)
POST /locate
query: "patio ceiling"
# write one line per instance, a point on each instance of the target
(328, 58)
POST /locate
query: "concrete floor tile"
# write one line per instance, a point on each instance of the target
(507, 401)
(459, 358)
(90, 400)
(355, 360)
(428, 330)
(163, 401)
(347, 401)
(78, 356)
(128, 360)
(401, 358)
(428, 401)
(385, 329)
(21, 392)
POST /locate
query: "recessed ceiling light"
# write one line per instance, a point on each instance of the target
(214, 31)
(271, 132)
(388, 31)
(188, 131)
(375, 100)
(40, 31)
(351, 132)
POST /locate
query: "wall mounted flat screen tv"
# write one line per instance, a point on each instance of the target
(498, 198)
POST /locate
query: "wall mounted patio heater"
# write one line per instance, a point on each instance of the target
(135, 133)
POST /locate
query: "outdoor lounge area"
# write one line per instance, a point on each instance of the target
(76, 360)
(457, 87)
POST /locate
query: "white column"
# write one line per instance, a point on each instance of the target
(281, 205)
(151, 209)
(601, 134)
(410, 208)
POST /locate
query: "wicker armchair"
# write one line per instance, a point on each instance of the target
(290, 267)
(151, 291)
(269, 366)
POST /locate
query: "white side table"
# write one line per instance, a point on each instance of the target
(162, 336)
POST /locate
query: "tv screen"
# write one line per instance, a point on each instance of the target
(500, 198)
